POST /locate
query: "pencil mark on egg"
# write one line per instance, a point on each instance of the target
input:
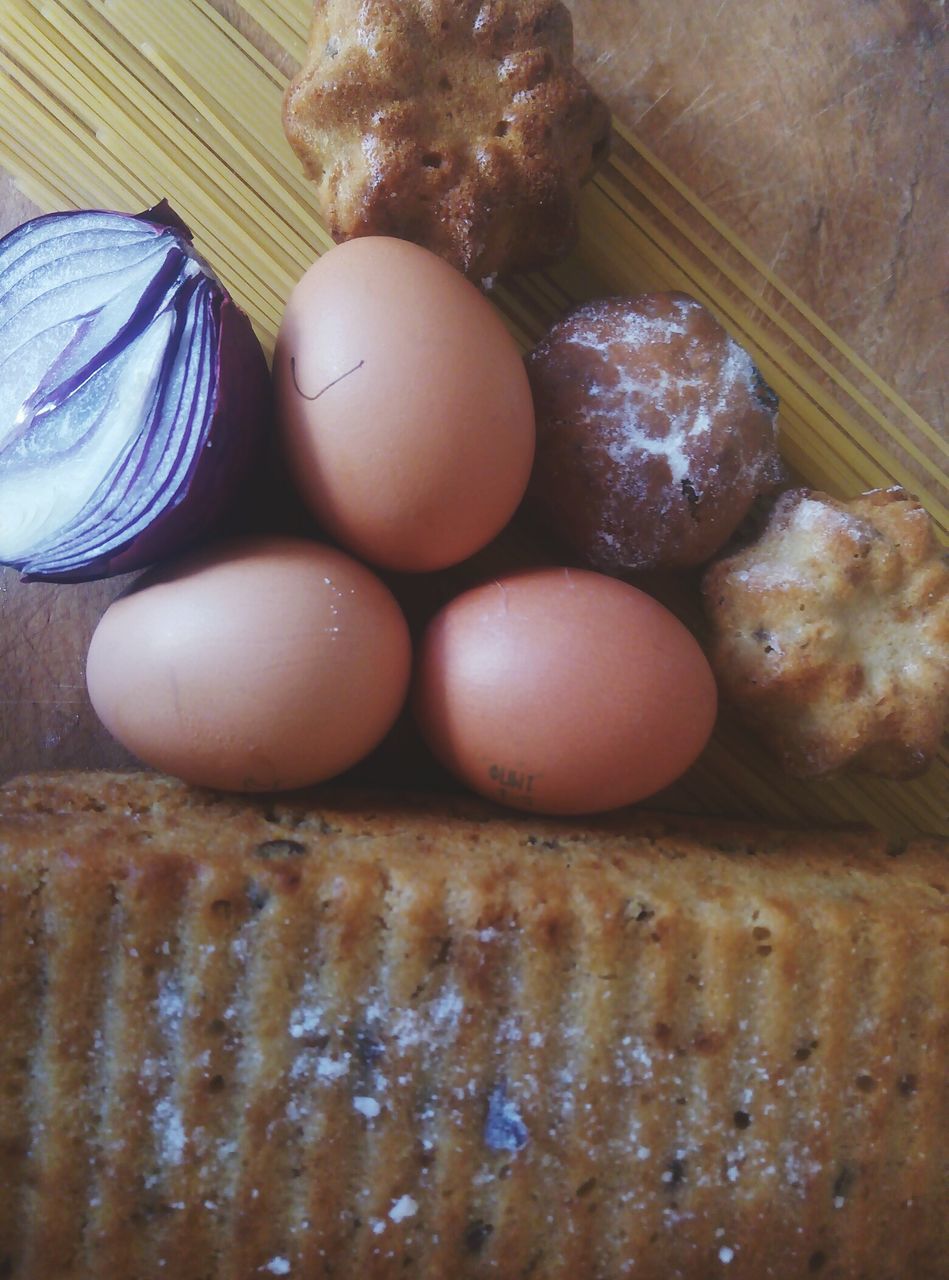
(329, 385)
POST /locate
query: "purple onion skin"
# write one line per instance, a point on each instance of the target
(231, 456)
(163, 215)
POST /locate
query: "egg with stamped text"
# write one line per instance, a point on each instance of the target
(562, 691)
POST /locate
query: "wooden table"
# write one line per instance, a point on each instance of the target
(814, 132)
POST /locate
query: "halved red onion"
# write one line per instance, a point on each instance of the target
(133, 394)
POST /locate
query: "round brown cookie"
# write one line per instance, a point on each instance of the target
(459, 124)
(655, 432)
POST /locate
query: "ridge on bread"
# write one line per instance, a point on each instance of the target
(355, 1035)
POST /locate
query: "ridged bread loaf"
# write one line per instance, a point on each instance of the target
(381, 1037)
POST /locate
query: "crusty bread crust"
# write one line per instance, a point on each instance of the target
(362, 1036)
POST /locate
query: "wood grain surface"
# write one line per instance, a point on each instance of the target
(814, 131)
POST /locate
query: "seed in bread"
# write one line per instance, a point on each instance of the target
(359, 1037)
(462, 126)
(831, 633)
(655, 432)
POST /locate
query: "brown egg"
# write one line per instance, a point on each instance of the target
(404, 406)
(259, 664)
(562, 691)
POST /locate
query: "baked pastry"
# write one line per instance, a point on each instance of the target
(459, 124)
(655, 432)
(831, 633)
(383, 1039)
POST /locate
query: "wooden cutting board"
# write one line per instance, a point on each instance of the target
(796, 152)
